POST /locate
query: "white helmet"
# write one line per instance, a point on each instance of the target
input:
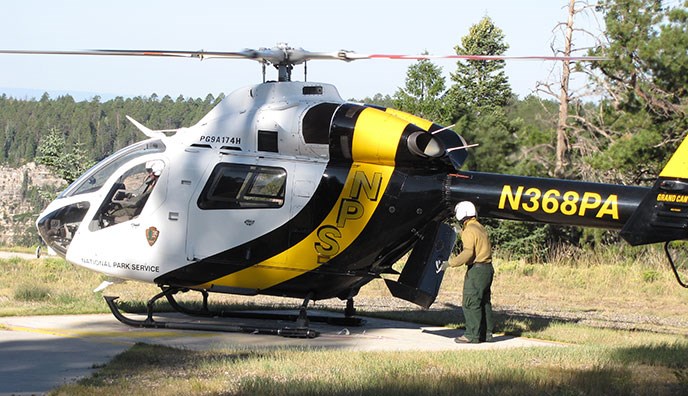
(464, 209)
(155, 167)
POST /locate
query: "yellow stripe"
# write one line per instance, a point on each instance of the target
(677, 167)
(377, 136)
(421, 122)
(341, 227)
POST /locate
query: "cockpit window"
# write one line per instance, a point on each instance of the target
(59, 227)
(128, 195)
(236, 186)
(95, 177)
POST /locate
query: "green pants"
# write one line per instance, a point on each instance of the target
(477, 304)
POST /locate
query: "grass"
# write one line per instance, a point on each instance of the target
(51, 286)
(28, 293)
(594, 360)
(635, 367)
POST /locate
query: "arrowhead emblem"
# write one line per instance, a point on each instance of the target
(152, 235)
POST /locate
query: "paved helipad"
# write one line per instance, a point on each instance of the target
(39, 353)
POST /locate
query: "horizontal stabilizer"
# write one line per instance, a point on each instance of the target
(663, 215)
(149, 132)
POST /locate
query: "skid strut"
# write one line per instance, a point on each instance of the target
(348, 320)
(149, 322)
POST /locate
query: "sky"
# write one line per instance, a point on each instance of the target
(394, 27)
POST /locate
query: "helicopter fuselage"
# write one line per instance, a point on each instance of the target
(282, 189)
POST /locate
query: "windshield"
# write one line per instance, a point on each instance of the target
(95, 177)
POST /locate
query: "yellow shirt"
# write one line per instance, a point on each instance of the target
(476, 245)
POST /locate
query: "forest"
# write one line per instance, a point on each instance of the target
(621, 127)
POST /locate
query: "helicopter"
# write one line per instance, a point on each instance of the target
(286, 189)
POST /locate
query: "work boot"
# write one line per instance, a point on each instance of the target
(489, 337)
(465, 340)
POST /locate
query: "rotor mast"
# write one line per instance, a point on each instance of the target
(284, 71)
(283, 62)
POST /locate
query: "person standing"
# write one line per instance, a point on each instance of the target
(477, 256)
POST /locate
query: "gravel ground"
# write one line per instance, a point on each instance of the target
(606, 319)
(616, 317)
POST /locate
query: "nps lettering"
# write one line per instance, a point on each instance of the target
(360, 199)
(568, 203)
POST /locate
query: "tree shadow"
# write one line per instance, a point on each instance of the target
(153, 362)
(509, 323)
(672, 356)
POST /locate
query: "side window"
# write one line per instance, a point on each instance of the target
(128, 195)
(236, 186)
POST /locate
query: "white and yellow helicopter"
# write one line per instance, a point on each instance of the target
(286, 189)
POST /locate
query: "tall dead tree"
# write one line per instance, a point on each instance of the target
(561, 90)
(561, 148)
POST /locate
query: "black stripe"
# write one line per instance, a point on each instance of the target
(342, 132)
(386, 238)
(295, 230)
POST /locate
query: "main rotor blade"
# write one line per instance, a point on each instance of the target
(274, 56)
(294, 56)
(246, 54)
(355, 56)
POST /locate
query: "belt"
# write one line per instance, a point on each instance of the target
(480, 264)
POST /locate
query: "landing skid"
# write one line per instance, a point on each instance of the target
(301, 319)
(150, 323)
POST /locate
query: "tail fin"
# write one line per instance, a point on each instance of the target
(677, 167)
(663, 214)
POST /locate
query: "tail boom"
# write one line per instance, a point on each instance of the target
(543, 200)
(643, 215)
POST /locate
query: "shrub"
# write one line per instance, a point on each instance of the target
(514, 240)
(650, 276)
(31, 293)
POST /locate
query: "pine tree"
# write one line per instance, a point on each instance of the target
(479, 97)
(480, 86)
(67, 164)
(423, 92)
